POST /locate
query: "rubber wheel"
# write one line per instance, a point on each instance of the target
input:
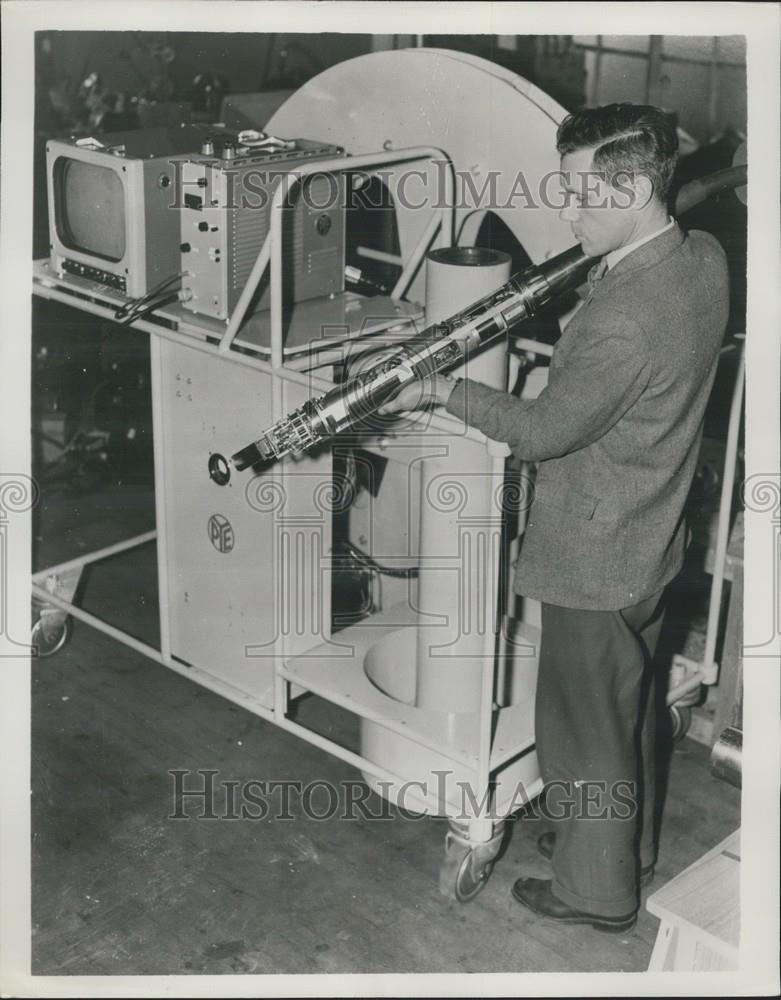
(457, 877)
(53, 643)
(681, 718)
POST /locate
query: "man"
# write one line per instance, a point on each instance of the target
(616, 435)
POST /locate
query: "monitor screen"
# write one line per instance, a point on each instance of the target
(90, 208)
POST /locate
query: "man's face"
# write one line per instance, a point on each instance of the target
(599, 214)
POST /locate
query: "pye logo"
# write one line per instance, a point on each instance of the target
(220, 533)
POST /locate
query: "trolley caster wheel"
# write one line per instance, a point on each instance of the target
(48, 642)
(680, 717)
(461, 876)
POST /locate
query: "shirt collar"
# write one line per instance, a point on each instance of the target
(616, 255)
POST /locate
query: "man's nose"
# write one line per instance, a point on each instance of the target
(568, 214)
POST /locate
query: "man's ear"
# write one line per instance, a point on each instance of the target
(643, 188)
(633, 190)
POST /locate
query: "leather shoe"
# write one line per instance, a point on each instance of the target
(537, 895)
(547, 841)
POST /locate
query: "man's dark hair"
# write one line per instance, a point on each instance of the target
(627, 139)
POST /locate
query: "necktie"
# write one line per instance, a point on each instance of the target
(597, 272)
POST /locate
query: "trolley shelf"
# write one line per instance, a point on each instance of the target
(338, 676)
(307, 324)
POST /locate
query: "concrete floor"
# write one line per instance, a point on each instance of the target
(120, 888)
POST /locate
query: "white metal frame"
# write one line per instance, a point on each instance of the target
(44, 585)
(707, 672)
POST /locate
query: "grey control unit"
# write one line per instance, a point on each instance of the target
(225, 219)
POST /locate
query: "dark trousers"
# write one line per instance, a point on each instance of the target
(595, 726)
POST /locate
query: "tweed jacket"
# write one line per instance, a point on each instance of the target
(616, 431)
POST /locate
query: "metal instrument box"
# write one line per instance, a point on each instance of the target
(226, 215)
(112, 204)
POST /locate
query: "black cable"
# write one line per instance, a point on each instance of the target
(364, 559)
(354, 276)
(160, 300)
(134, 304)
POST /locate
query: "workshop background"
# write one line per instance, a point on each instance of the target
(117, 887)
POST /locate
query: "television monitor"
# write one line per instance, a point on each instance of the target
(113, 209)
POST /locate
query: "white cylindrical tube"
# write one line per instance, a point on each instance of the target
(455, 278)
(460, 519)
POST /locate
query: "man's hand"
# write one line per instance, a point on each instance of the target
(432, 391)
